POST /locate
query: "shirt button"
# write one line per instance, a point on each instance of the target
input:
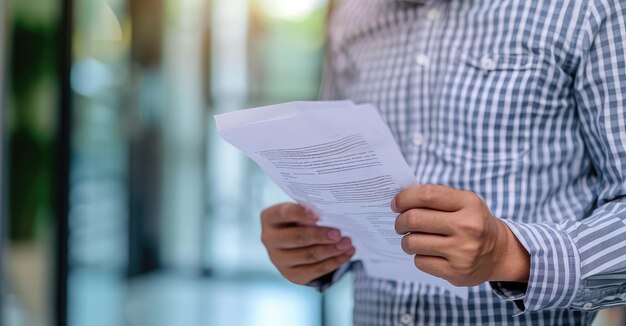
(487, 63)
(434, 14)
(421, 59)
(588, 306)
(406, 319)
(418, 139)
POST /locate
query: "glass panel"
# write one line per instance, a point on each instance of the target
(99, 195)
(164, 217)
(270, 52)
(282, 47)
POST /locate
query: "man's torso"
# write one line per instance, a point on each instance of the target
(479, 96)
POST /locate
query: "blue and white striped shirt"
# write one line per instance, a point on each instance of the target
(522, 102)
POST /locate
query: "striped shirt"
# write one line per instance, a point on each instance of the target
(522, 102)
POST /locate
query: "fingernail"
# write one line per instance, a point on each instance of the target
(344, 244)
(333, 235)
(351, 251)
(393, 205)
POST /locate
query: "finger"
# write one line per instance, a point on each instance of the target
(324, 267)
(314, 254)
(435, 197)
(435, 266)
(312, 216)
(304, 236)
(288, 213)
(426, 244)
(425, 221)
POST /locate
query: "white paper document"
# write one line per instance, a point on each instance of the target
(341, 160)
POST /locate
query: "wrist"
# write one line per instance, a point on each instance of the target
(513, 264)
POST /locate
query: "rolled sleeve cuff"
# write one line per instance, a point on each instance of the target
(326, 281)
(554, 269)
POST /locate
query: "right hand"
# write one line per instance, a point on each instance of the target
(301, 250)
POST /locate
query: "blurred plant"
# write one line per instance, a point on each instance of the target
(31, 115)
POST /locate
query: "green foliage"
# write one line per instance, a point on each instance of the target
(33, 57)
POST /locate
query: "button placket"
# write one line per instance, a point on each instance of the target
(433, 14)
(424, 50)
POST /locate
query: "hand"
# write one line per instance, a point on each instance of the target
(454, 236)
(300, 250)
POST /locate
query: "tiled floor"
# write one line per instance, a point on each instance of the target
(167, 300)
(99, 298)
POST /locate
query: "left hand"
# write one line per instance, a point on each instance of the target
(454, 236)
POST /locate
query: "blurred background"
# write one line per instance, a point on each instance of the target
(119, 205)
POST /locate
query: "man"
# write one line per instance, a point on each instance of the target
(513, 116)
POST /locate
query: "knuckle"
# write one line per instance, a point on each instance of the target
(300, 236)
(313, 254)
(477, 229)
(472, 225)
(413, 218)
(283, 210)
(464, 268)
(427, 193)
(472, 249)
(407, 220)
(473, 199)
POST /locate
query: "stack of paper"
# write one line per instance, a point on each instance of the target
(341, 160)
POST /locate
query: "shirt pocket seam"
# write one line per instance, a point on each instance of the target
(487, 62)
(462, 157)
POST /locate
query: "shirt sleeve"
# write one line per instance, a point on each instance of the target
(326, 281)
(582, 264)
